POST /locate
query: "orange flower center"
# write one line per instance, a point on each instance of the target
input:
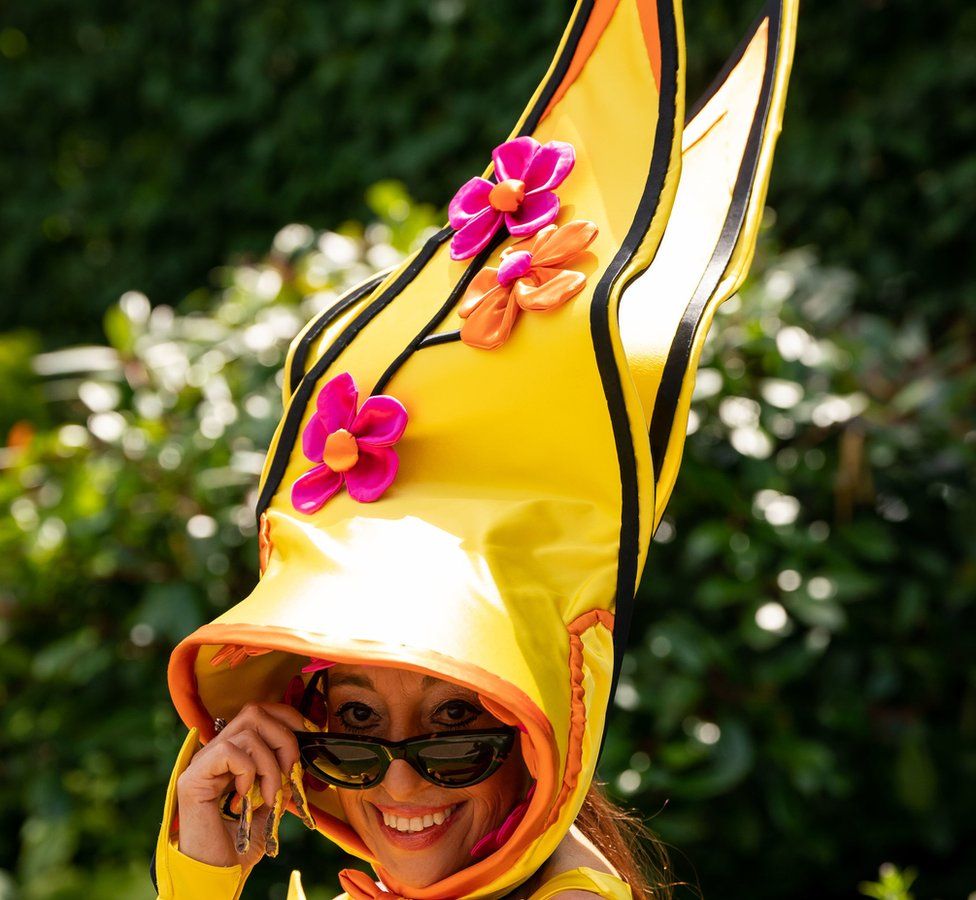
(507, 196)
(341, 451)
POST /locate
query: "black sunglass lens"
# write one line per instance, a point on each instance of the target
(347, 764)
(457, 763)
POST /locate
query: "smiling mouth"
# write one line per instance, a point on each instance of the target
(417, 824)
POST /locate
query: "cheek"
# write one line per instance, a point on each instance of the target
(356, 811)
(492, 800)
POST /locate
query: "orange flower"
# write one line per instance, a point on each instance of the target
(531, 279)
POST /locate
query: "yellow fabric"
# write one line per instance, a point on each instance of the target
(180, 877)
(513, 538)
(584, 879)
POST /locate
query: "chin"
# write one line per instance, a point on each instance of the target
(422, 857)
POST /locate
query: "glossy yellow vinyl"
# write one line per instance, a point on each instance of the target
(508, 549)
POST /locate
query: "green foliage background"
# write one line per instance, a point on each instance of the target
(799, 704)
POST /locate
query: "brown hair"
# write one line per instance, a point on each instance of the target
(621, 836)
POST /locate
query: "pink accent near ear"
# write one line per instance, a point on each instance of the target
(497, 838)
(316, 664)
(293, 693)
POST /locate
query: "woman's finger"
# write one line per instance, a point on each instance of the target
(286, 715)
(265, 759)
(213, 768)
(275, 723)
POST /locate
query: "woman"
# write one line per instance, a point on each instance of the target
(481, 562)
(419, 830)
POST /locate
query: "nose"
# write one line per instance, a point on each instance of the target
(402, 782)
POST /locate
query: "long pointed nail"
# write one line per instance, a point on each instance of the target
(248, 802)
(298, 796)
(271, 825)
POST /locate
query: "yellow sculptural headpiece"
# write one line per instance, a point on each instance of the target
(476, 447)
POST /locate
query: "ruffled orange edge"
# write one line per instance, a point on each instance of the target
(577, 719)
(538, 742)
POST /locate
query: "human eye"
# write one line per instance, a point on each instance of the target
(357, 716)
(456, 713)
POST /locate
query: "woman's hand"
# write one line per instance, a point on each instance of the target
(256, 748)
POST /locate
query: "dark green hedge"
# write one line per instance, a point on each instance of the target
(144, 142)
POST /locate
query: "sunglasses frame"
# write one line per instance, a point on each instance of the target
(500, 739)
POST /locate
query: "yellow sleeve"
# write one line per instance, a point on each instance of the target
(584, 879)
(179, 877)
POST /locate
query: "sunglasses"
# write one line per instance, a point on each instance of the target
(447, 759)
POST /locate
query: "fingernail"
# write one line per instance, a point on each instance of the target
(271, 825)
(310, 725)
(298, 796)
(235, 804)
(243, 842)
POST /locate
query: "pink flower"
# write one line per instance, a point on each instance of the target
(355, 448)
(527, 172)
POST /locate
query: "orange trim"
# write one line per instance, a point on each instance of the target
(359, 886)
(265, 544)
(577, 718)
(600, 17)
(586, 621)
(652, 37)
(183, 690)
(235, 654)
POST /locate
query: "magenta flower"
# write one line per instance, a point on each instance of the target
(355, 448)
(522, 197)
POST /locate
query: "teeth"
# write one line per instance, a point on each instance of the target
(417, 823)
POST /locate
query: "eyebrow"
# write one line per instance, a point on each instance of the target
(364, 681)
(355, 680)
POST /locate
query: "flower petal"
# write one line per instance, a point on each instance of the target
(311, 490)
(336, 403)
(313, 438)
(380, 421)
(470, 200)
(549, 167)
(491, 323)
(373, 473)
(483, 284)
(538, 241)
(536, 211)
(475, 236)
(512, 158)
(559, 245)
(554, 291)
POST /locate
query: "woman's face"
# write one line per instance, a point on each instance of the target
(395, 704)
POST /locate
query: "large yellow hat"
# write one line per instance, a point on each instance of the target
(477, 447)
